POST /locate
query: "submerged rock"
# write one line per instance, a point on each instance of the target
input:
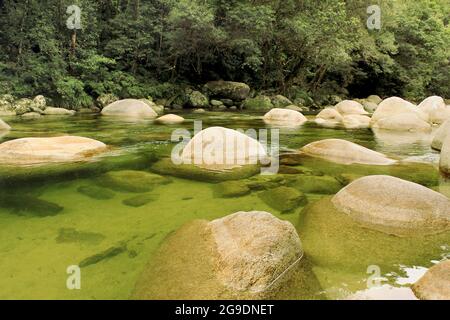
(218, 148)
(30, 115)
(435, 284)
(193, 172)
(283, 199)
(170, 119)
(49, 150)
(96, 192)
(129, 108)
(58, 111)
(246, 255)
(104, 255)
(284, 117)
(140, 200)
(345, 152)
(29, 205)
(394, 206)
(71, 235)
(316, 184)
(132, 181)
(231, 189)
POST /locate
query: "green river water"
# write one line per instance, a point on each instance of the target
(113, 242)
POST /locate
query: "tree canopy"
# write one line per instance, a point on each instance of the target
(140, 48)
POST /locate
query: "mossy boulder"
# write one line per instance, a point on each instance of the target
(196, 99)
(283, 199)
(140, 200)
(280, 101)
(192, 172)
(317, 184)
(132, 181)
(259, 103)
(227, 90)
(231, 189)
(334, 240)
(95, 192)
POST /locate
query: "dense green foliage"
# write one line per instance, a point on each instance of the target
(139, 48)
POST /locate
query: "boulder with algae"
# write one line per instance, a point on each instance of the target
(246, 255)
(376, 220)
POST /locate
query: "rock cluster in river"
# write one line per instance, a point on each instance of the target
(349, 114)
(29, 108)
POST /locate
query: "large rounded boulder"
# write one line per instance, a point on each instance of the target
(219, 148)
(129, 108)
(399, 115)
(246, 255)
(287, 117)
(436, 109)
(348, 107)
(394, 206)
(435, 284)
(440, 135)
(49, 150)
(254, 248)
(345, 152)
